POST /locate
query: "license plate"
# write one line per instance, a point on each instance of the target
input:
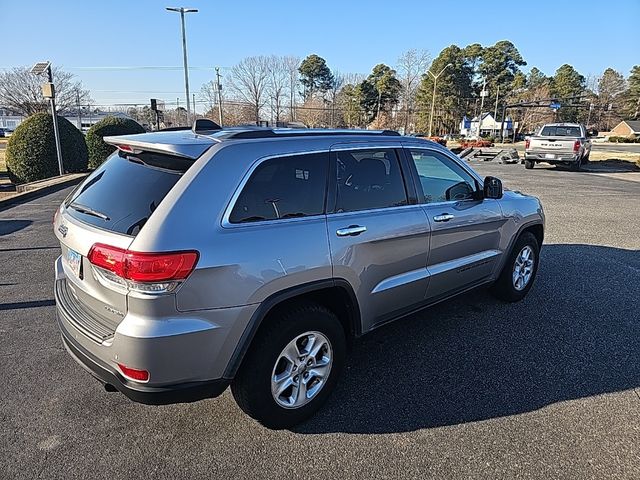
(549, 155)
(74, 260)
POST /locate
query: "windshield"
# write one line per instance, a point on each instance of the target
(122, 193)
(560, 131)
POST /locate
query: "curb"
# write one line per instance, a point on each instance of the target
(39, 192)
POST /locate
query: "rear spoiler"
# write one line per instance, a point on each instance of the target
(180, 143)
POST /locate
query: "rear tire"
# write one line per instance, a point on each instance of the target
(528, 164)
(575, 166)
(267, 361)
(519, 271)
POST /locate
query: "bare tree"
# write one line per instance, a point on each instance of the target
(278, 85)
(250, 80)
(336, 85)
(209, 94)
(292, 65)
(21, 91)
(412, 64)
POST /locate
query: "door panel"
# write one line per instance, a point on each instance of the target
(465, 229)
(378, 242)
(386, 264)
(465, 249)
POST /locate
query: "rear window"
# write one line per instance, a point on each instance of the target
(122, 193)
(560, 131)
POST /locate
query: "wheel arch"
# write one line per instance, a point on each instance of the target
(335, 294)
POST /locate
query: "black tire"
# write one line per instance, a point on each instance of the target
(252, 386)
(528, 164)
(504, 287)
(576, 166)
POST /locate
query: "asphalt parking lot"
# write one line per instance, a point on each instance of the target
(474, 388)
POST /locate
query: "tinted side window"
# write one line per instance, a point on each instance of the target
(284, 187)
(368, 179)
(441, 178)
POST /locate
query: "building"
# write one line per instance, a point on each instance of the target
(82, 120)
(490, 126)
(9, 119)
(626, 128)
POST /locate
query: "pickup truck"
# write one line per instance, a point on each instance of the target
(558, 144)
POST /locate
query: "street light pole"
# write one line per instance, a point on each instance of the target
(182, 11)
(49, 91)
(433, 98)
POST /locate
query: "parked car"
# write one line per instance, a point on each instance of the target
(252, 257)
(558, 144)
(5, 132)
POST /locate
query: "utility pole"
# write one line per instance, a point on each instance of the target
(483, 94)
(193, 95)
(495, 113)
(219, 90)
(182, 11)
(79, 112)
(433, 98)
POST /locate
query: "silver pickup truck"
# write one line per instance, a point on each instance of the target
(558, 144)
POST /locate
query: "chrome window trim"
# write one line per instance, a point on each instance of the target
(226, 223)
(340, 147)
(372, 210)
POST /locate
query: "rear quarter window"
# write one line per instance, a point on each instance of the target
(283, 187)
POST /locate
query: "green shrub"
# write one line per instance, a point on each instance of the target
(31, 150)
(624, 140)
(98, 150)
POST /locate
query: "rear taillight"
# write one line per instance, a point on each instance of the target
(134, 373)
(143, 267)
(576, 146)
(527, 142)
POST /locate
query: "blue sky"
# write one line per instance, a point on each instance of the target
(83, 36)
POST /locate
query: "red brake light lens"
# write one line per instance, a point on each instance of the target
(108, 257)
(527, 142)
(134, 373)
(576, 146)
(144, 267)
(159, 267)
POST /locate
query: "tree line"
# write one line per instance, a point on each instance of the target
(400, 96)
(291, 89)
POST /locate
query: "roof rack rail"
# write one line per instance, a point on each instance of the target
(284, 132)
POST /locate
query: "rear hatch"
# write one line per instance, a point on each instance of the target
(110, 208)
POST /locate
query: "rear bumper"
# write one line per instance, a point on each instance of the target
(558, 157)
(179, 393)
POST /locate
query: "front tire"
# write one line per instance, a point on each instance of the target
(291, 367)
(528, 164)
(519, 271)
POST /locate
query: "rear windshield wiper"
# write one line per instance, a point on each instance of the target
(88, 211)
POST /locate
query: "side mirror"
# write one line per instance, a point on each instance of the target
(492, 187)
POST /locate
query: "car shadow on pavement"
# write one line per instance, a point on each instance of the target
(577, 334)
(11, 226)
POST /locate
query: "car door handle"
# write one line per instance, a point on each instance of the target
(445, 217)
(351, 231)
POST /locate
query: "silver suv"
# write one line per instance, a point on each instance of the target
(195, 260)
